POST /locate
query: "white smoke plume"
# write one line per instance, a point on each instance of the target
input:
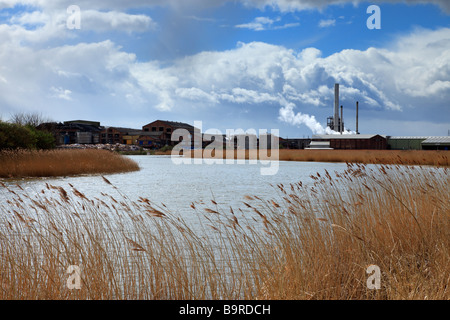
(288, 115)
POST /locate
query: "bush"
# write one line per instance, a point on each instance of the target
(16, 136)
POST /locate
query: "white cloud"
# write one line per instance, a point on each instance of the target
(114, 20)
(257, 77)
(327, 23)
(61, 93)
(299, 5)
(265, 23)
(258, 24)
(261, 74)
(282, 5)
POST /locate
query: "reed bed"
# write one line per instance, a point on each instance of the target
(404, 157)
(310, 241)
(42, 163)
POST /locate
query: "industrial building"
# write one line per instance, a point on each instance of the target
(349, 141)
(164, 129)
(295, 143)
(336, 122)
(339, 140)
(76, 131)
(113, 135)
(158, 134)
(419, 143)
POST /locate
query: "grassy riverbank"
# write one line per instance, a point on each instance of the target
(308, 242)
(406, 157)
(42, 163)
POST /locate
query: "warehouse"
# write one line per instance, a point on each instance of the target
(350, 141)
(419, 143)
(436, 143)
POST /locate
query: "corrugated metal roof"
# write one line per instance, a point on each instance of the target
(345, 136)
(407, 138)
(320, 143)
(437, 140)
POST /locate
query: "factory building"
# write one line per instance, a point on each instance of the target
(76, 131)
(349, 141)
(165, 129)
(419, 143)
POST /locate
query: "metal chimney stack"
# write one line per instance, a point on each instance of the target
(357, 107)
(336, 107)
(341, 123)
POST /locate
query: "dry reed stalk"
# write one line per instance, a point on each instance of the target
(33, 163)
(314, 241)
(404, 157)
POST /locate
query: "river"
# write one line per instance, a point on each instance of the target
(178, 185)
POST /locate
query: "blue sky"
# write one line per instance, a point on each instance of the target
(246, 64)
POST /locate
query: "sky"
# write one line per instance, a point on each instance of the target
(231, 64)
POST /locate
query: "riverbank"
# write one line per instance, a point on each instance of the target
(61, 162)
(405, 157)
(368, 233)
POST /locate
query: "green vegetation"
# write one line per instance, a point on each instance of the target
(19, 136)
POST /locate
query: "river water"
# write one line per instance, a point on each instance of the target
(178, 185)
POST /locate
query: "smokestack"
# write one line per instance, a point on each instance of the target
(336, 107)
(342, 120)
(357, 107)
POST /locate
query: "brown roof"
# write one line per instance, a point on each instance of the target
(175, 124)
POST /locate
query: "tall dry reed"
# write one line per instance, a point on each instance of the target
(311, 241)
(404, 157)
(42, 163)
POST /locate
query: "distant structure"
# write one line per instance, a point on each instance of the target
(335, 122)
(157, 134)
(357, 115)
(349, 141)
(162, 130)
(419, 143)
(75, 131)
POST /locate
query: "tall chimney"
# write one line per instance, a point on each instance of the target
(336, 107)
(342, 120)
(357, 107)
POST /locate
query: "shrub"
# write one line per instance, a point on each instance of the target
(16, 136)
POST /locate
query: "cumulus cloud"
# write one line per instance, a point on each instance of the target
(258, 77)
(259, 74)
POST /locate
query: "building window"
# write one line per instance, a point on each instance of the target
(161, 128)
(153, 129)
(146, 129)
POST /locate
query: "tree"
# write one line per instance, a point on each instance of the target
(16, 136)
(28, 119)
(13, 136)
